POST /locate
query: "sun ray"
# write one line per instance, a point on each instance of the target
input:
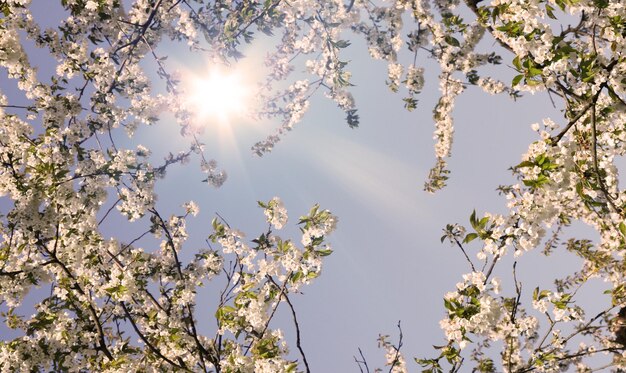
(217, 97)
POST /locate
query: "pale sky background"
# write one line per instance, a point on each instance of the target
(388, 263)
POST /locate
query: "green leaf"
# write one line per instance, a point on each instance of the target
(533, 71)
(341, 43)
(452, 41)
(622, 228)
(296, 276)
(483, 222)
(6, 10)
(448, 305)
(470, 237)
(473, 220)
(550, 11)
(223, 311)
(325, 252)
(601, 3)
(516, 80)
(116, 290)
(525, 164)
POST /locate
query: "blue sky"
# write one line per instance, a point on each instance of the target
(388, 263)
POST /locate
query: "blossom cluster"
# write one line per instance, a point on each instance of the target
(126, 304)
(65, 172)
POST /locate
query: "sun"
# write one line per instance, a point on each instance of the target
(219, 95)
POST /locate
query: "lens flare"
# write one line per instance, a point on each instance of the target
(218, 96)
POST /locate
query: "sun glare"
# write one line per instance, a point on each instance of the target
(218, 96)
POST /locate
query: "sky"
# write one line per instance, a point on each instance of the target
(389, 264)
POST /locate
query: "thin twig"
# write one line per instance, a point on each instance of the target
(145, 340)
(362, 361)
(109, 211)
(18, 107)
(295, 322)
(558, 137)
(396, 358)
(518, 290)
(594, 154)
(464, 253)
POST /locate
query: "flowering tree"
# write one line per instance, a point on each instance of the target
(62, 165)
